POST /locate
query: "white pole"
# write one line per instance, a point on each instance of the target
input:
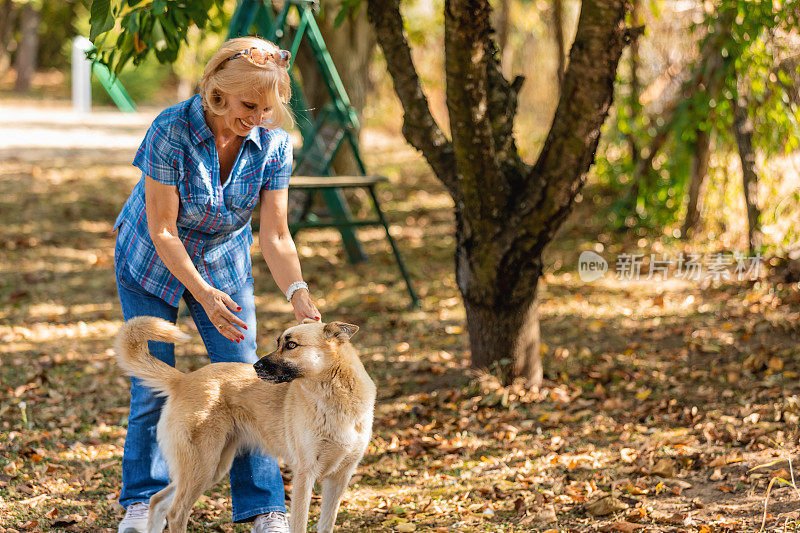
(81, 75)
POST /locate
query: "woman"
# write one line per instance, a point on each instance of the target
(185, 232)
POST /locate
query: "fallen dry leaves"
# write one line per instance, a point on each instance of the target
(658, 399)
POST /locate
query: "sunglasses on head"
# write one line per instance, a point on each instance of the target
(260, 57)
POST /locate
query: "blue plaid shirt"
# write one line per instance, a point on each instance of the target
(213, 219)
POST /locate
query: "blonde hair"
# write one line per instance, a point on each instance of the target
(239, 75)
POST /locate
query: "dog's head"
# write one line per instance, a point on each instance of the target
(305, 350)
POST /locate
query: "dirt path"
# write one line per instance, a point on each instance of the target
(660, 397)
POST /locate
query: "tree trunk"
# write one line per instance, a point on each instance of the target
(506, 210)
(634, 51)
(185, 88)
(561, 46)
(351, 46)
(696, 181)
(188, 66)
(507, 337)
(503, 31)
(8, 16)
(25, 60)
(634, 108)
(743, 131)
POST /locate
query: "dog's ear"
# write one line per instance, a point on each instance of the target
(339, 330)
(307, 320)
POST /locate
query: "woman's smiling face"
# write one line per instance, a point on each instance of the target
(246, 111)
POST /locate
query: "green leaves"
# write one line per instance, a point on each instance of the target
(159, 26)
(159, 40)
(742, 50)
(101, 18)
(346, 9)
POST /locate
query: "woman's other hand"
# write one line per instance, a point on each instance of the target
(304, 307)
(220, 307)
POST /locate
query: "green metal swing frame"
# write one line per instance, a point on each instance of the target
(312, 169)
(256, 15)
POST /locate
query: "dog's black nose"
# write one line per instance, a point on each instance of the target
(275, 371)
(262, 363)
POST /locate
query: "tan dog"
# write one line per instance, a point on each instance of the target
(310, 402)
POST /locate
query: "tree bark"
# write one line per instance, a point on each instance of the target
(519, 330)
(696, 183)
(25, 59)
(186, 67)
(506, 210)
(419, 127)
(634, 108)
(743, 131)
(503, 31)
(561, 46)
(8, 16)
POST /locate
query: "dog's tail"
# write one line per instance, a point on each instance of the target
(135, 358)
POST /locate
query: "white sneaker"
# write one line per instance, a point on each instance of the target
(135, 520)
(272, 522)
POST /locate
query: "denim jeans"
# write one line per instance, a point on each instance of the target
(256, 482)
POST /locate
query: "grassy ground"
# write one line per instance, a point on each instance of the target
(660, 397)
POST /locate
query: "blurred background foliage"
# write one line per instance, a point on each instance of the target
(708, 86)
(675, 127)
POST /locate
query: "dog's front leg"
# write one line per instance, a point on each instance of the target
(333, 488)
(302, 483)
(159, 504)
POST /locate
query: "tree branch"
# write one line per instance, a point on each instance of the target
(419, 126)
(571, 144)
(503, 99)
(570, 147)
(468, 50)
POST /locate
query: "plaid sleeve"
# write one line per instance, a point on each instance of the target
(156, 155)
(279, 172)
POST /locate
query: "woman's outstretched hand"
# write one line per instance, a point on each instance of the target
(219, 307)
(304, 307)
